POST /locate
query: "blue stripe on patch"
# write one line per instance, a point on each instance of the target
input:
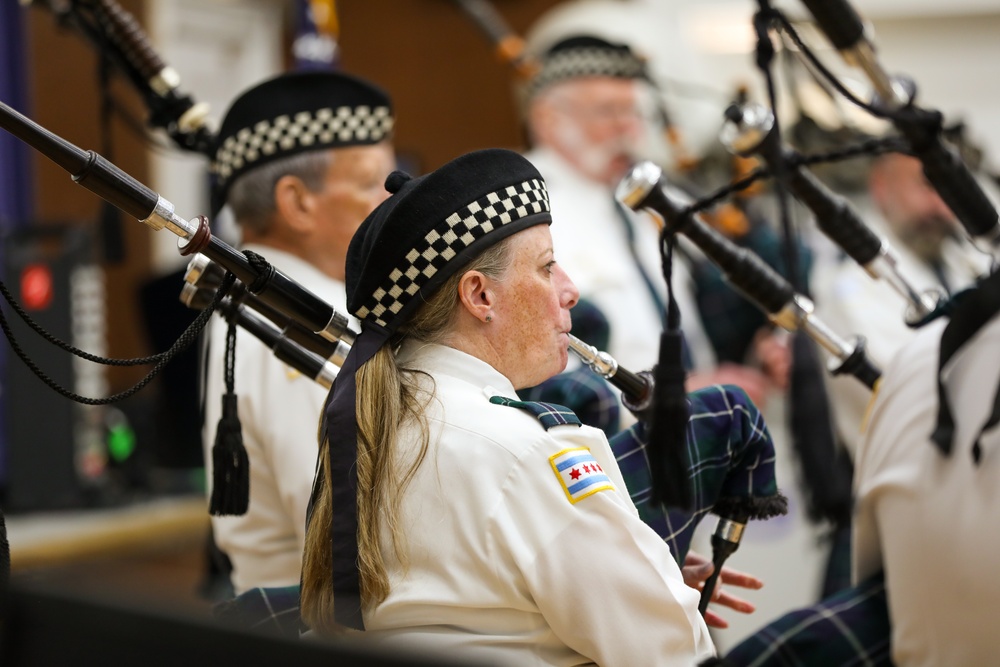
(579, 473)
(590, 481)
(566, 463)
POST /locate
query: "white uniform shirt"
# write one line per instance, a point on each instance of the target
(852, 303)
(929, 521)
(508, 566)
(590, 243)
(279, 410)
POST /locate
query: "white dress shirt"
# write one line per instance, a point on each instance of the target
(509, 562)
(279, 410)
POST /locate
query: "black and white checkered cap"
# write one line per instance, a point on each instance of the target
(293, 113)
(586, 56)
(433, 225)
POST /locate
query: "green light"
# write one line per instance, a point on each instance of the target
(121, 442)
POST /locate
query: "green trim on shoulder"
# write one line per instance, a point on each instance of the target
(549, 414)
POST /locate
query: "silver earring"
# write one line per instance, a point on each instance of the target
(489, 318)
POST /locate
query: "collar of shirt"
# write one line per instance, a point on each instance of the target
(443, 360)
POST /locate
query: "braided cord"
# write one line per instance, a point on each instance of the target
(162, 359)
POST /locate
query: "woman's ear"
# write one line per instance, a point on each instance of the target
(476, 297)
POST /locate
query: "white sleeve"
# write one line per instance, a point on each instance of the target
(604, 581)
(289, 422)
(878, 439)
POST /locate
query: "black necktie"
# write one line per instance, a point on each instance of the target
(647, 281)
(971, 310)
(938, 269)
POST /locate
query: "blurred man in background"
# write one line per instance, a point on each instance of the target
(301, 160)
(909, 214)
(585, 120)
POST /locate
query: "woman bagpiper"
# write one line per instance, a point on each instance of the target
(447, 515)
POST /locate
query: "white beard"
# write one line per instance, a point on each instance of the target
(593, 159)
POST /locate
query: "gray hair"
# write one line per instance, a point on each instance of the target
(251, 196)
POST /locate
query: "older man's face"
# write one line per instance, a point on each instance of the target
(353, 186)
(597, 125)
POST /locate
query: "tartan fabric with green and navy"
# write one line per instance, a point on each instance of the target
(848, 629)
(584, 392)
(549, 414)
(730, 454)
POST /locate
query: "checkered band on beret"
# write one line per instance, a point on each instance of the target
(578, 57)
(326, 127)
(293, 113)
(433, 225)
(443, 243)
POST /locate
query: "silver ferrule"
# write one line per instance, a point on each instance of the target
(194, 118)
(196, 269)
(340, 353)
(327, 374)
(338, 329)
(891, 92)
(791, 316)
(885, 267)
(798, 314)
(827, 339)
(745, 136)
(166, 80)
(601, 363)
(729, 530)
(636, 185)
(163, 216)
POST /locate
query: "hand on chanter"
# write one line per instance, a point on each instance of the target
(697, 569)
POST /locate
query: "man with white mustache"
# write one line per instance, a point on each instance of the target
(584, 116)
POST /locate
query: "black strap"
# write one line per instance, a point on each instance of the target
(340, 428)
(647, 281)
(938, 269)
(975, 308)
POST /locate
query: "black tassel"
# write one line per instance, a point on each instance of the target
(826, 469)
(753, 507)
(230, 464)
(668, 457)
(668, 460)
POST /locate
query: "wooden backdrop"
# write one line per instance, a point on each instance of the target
(453, 94)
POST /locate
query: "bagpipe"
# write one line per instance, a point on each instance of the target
(749, 130)
(731, 458)
(303, 315)
(754, 130)
(309, 331)
(117, 36)
(645, 188)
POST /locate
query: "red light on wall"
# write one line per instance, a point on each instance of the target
(36, 287)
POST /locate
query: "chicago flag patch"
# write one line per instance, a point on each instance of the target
(579, 473)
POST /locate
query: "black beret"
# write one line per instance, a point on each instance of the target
(585, 56)
(294, 113)
(433, 225)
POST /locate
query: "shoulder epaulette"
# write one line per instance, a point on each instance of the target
(549, 414)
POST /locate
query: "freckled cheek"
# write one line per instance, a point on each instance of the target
(533, 317)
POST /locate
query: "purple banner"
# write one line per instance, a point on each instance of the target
(15, 176)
